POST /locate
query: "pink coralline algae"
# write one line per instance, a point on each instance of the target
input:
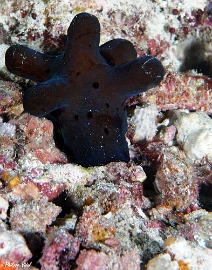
(94, 228)
(13, 247)
(176, 182)
(153, 212)
(10, 98)
(60, 250)
(33, 216)
(180, 91)
(91, 259)
(39, 137)
(50, 189)
(127, 180)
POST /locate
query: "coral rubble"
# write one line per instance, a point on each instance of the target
(154, 212)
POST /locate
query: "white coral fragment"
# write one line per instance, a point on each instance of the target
(144, 120)
(3, 48)
(194, 257)
(3, 208)
(194, 134)
(7, 129)
(13, 247)
(162, 262)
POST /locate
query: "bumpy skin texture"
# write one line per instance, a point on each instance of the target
(87, 91)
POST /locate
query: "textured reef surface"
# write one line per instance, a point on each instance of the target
(152, 212)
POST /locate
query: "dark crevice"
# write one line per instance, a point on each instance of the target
(205, 198)
(196, 58)
(35, 243)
